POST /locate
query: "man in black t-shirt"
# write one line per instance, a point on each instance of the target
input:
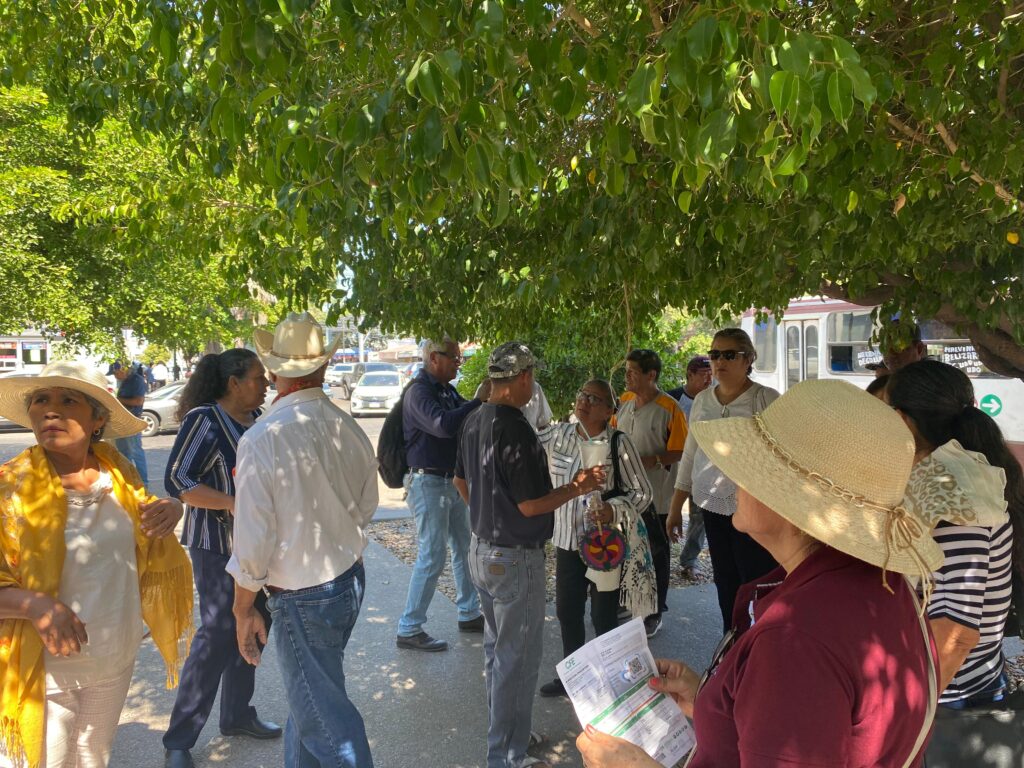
(501, 471)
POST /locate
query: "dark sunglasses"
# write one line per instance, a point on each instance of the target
(726, 354)
(456, 358)
(590, 398)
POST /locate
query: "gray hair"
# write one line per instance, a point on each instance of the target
(429, 347)
(99, 410)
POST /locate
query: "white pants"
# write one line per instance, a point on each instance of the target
(80, 724)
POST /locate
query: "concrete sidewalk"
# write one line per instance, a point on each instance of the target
(421, 710)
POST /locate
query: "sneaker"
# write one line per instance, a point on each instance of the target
(652, 624)
(536, 739)
(688, 572)
(421, 642)
(554, 688)
(473, 625)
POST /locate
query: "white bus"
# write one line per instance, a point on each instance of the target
(829, 339)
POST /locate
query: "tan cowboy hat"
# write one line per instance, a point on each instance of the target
(67, 375)
(834, 461)
(295, 348)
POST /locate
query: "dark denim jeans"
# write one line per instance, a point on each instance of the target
(311, 629)
(131, 448)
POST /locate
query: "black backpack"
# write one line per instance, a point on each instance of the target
(391, 463)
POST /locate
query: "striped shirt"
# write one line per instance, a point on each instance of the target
(562, 444)
(973, 588)
(204, 453)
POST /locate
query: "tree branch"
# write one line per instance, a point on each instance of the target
(569, 9)
(655, 15)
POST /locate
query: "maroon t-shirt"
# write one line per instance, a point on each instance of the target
(832, 674)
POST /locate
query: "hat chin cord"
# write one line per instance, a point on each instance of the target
(901, 528)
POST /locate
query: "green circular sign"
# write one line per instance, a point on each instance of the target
(991, 405)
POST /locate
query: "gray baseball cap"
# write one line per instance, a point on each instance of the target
(510, 359)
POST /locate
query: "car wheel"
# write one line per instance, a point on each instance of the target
(152, 423)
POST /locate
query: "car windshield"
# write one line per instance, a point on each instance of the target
(343, 367)
(379, 380)
(380, 367)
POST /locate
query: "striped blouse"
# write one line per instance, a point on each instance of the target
(204, 453)
(973, 588)
(562, 443)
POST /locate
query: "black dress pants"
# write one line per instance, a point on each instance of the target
(572, 587)
(735, 559)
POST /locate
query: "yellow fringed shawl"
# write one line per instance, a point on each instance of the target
(33, 513)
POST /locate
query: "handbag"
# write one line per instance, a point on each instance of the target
(990, 735)
(655, 530)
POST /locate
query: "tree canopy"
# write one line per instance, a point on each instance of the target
(64, 269)
(479, 165)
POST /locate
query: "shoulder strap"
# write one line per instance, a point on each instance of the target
(933, 693)
(616, 477)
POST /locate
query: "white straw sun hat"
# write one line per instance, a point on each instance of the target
(296, 347)
(834, 461)
(68, 375)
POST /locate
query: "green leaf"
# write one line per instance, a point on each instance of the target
(490, 19)
(851, 201)
(783, 88)
(564, 96)
(730, 38)
(717, 138)
(700, 38)
(479, 164)
(263, 96)
(840, 96)
(427, 83)
(640, 88)
(684, 200)
(863, 88)
(791, 161)
(355, 130)
(795, 55)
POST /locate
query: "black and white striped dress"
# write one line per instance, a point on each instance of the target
(973, 588)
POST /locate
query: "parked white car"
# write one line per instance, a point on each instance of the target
(376, 393)
(336, 373)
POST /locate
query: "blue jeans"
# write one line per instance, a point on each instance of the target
(311, 629)
(695, 538)
(511, 585)
(442, 519)
(131, 448)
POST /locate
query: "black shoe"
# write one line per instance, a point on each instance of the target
(258, 729)
(421, 642)
(552, 689)
(652, 624)
(473, 625)
(178, 758)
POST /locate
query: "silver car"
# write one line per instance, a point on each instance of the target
(160, 411)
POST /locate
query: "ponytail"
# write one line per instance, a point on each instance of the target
(210, 379)
(939, 400)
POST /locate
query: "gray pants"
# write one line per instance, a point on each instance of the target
(695, 539)
(511, 584)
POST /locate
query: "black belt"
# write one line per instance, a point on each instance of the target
(528, 545)
(433, 472)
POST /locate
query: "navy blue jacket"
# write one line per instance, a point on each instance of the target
(432, 413)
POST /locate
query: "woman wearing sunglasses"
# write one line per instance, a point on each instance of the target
(830, 661)
(595, 404)
(735, 557)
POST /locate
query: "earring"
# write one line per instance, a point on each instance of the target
(97, 432)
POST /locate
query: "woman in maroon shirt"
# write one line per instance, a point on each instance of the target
(829, 663)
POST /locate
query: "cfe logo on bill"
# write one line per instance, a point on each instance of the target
(991, 405)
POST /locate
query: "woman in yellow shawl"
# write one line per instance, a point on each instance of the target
(85, 561)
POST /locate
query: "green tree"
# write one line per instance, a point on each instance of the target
(494, 160)
(73, 259)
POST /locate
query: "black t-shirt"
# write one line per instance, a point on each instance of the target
(504, 464)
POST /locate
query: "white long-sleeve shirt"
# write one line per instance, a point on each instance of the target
(306, 486)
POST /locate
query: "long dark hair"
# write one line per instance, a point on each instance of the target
(210, 379)
(939, 399)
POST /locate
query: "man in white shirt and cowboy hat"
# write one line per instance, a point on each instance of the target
(306, 488)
